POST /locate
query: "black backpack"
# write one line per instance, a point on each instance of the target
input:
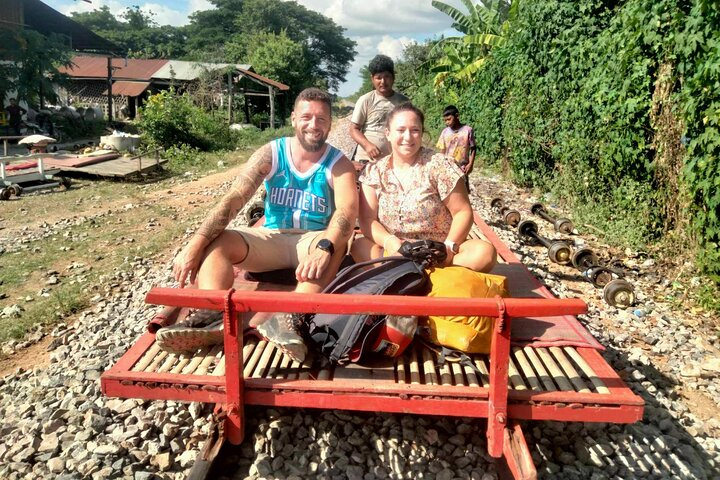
(334, 335)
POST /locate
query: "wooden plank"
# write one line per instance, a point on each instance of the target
(195, 361)
(514, 375)
(414, 366)
(273, 371)
(527, 369)
(540, 369)
(569, 370)
(219, 369)
(284, 366)
(208, 360)
(484, 374)
(119, 167)
(471, 376)
(264, 362)
(250, 364)
(428, 366)
(400, 369)
(445, 377)
(169, 362)
(587, 369)
(146, 359)
(457, 373)
(184, 360)
(156, 361)
(557, 375)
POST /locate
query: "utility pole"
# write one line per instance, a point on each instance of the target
(109, 89)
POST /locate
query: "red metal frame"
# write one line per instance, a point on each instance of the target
(497, 403)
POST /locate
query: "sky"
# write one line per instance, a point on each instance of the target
(377, 26)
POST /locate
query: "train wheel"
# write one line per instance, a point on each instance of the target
(512, 218)
(619, 293)
(584, 258)
(536, 208)
(5, 194)
(255, 213)
(16, 189)
(564, 225)
(560, 252)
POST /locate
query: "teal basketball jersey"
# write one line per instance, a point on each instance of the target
(295, 199)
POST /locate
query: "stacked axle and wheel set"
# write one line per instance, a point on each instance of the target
(617, 291)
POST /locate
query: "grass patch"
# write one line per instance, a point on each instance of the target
(96, 227)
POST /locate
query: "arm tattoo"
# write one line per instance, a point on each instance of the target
(246, 184)
(341, 221)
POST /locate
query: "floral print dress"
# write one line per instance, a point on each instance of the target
(415, 211)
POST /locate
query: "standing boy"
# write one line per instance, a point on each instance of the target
(457, 141)
(367, 125)
(15, 113)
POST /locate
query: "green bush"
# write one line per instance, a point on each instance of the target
(169, 119)
(73, 128)
(589, 100)
(182, 156)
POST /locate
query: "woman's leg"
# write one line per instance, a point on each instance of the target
(364, 249)
(477, 255)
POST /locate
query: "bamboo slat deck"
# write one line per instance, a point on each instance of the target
(418, 366)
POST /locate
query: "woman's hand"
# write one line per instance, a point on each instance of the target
(392, 246)
(449, 258)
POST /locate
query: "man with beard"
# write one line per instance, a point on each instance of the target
(310, 211)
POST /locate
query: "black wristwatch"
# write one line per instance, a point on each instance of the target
(326, 245)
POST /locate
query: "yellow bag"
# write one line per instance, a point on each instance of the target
(467, 334)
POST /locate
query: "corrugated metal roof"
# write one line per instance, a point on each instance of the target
(183, 70)
(128, 89)
(96, 67)
(278, 85)
(45, 19)
(145, 70)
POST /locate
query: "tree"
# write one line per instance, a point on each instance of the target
(234, 24)
(136, 31)
(276, 56)
(33, 64)
(483, 27)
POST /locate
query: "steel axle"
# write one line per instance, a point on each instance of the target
(510, 217)
(561, 225)
(558, 251)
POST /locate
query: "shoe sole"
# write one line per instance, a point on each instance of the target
(187, 339)
(288, 349)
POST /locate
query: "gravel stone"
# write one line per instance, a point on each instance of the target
(54, 422)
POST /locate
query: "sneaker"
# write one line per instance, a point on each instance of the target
(201, 329)
(281, 329)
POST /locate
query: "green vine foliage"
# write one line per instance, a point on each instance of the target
(698, 53)
(589, 100)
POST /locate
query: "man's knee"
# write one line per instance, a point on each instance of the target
(229, 245)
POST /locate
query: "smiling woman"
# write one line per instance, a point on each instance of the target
(416, 194)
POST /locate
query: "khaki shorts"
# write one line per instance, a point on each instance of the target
(270, 249)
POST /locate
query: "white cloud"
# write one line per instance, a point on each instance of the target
(386, 17)
(173, 13)
(165, 15)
